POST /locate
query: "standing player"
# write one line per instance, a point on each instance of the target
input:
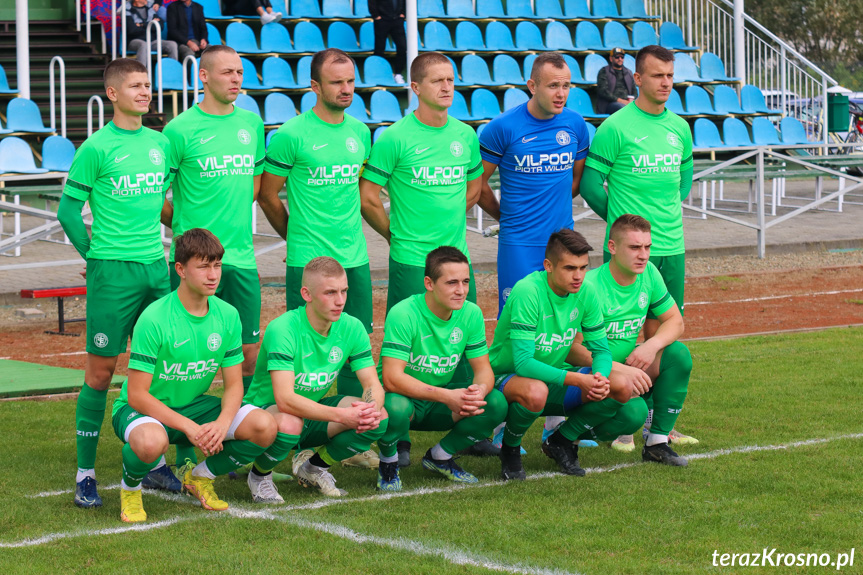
(302, 353)
(121, 171)
(532, 346)
(628, 287)
(645, 152)
(424, 338)
(431, 166)
(180, 343)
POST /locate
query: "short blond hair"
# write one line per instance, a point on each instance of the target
(322, 266)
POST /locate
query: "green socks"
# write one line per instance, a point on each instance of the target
(134, 470)
(89, 414)
(518, 421)
(670, 388)
(626, 421)
(276, 453)
(588, 416)
(234, 455)
(185, 452)
(399, 409)
(470, 430)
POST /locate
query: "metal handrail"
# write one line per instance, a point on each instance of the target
(154, 24)
(58, 60)
(98, 99)
(89, 9)
(78, 15)
(194, 61)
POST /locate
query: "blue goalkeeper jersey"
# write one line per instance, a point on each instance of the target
(535, 160)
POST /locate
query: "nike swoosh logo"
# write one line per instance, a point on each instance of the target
(256, 332)
(641, 139)
(308, 355)
(547, 316)
(526, 140)
(118, 160)
(420, 151)
(319, 147)
(612, 310)
(203, 141)
(423, 338)
(176, 344)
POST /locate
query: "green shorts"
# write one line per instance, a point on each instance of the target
(203, 409)
(405, 281)
(241, 288)
(673, 271)
(432, 415)
(359, 302)
(117, 293)
(314, 433)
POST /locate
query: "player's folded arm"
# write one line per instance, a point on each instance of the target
(526, 365)
(292, 403)
(72, 221)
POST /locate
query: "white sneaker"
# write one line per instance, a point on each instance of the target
(300, 457)
(266, 18)
(398, 79)
(309, 475)
(264, 490)
(278, 16)
(367, 460)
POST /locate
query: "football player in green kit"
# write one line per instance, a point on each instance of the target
(121, 171)
(301, 356)
(180, 342)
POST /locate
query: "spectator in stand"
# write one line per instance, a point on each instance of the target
(262, 8)
(389, 18)
(187, 27)
(615, 85)
(139, 14)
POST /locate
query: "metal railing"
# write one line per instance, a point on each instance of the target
(190, 60)
(58, 60)
(151, 25)
(98, 99)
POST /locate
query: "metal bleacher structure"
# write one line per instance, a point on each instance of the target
(725, 65)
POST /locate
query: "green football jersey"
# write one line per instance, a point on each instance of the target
(426, 171)
(213, 161)
(533, 312)
(643, 154)
(624, 308)
(182, 351)
(291, 344)
(122, 175)
(431, 346)
(322, 163)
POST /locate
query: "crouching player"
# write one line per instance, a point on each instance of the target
(628, 287)
(179, 343)
(300, 358)
(533, 344)
(424, 337)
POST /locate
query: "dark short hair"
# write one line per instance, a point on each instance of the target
(566, 241)
(628, 223)
(212, 50)
(440, 256)
(330, 55)
(117, 70)
(422, 63)
(200, 243)
(657, 52)
(555, 59)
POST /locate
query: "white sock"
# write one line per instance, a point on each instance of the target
(160, 463)
(201, 470)
(552, 421)
(389, 458)
(438, 453)
(649, 420)
(82, 473)
(125, 487)
(655, 438)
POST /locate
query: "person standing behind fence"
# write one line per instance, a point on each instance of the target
(389, 20)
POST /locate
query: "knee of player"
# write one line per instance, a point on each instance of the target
(679, 354)
(496, 405)
(262, 427)
(289, 424)
(378, 432)
(621, 389)
(535, 396)
(150, 447)
(397, 406)
(636, 409)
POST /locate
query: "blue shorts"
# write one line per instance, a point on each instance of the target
(566, 396)
(513, 264)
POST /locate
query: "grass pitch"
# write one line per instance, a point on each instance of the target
(737, 496)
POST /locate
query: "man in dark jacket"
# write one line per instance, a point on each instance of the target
(139, 13)
(187, 27)
(615, 86)
(389, 18)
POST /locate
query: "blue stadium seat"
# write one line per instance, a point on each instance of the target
(550, 9)
(685, 69)
(436, 38)
(591, 132)
(250, 77)
(528, 37)
(764, 133)
(337, 9)
(484, 104)
(278, 74)
(643, 35)
(459, 110)
(270, 135)
(22, 115)
(172, 75)
(513, 97)
(246, 102)
(752, 101)
(489, 9)
(468, 36)
(384, 107)
(367, 38)
(734, 133)
(614, 35)
(377, 133)
(576, 9)
(479, 129)
(671, 37)
(430, 9)
(574, 71)
(698, 102)
(506, 71)
(305, 9)
(519, 9)
(629, 62)
(579, 101)
(16, 157)
(725, 101)
(307, 102)
(308, 38)
(212, 10)
(57, 153)
(460, 9)
(377, 71)
(358, 81)
(499, 38)
(706, 135)
(712, 67)
(242, 39)
(278, 109)
(279, 6)
(675, 104)
(474, 72)
(275, 39)
(558, 37)
(604, 9)
(593, 63)
(634, 9)
(342, 36)
(361, 9)
(357, 109)
(213, 36)
(793, 131)
(587, 37)
(304, 72)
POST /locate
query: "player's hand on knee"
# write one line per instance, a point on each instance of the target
(359, 414)
(599, 387)
(641, 357)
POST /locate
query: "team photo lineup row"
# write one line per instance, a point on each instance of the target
(434, 168)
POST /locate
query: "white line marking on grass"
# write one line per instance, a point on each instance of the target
(765, 298)
(87, 533)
